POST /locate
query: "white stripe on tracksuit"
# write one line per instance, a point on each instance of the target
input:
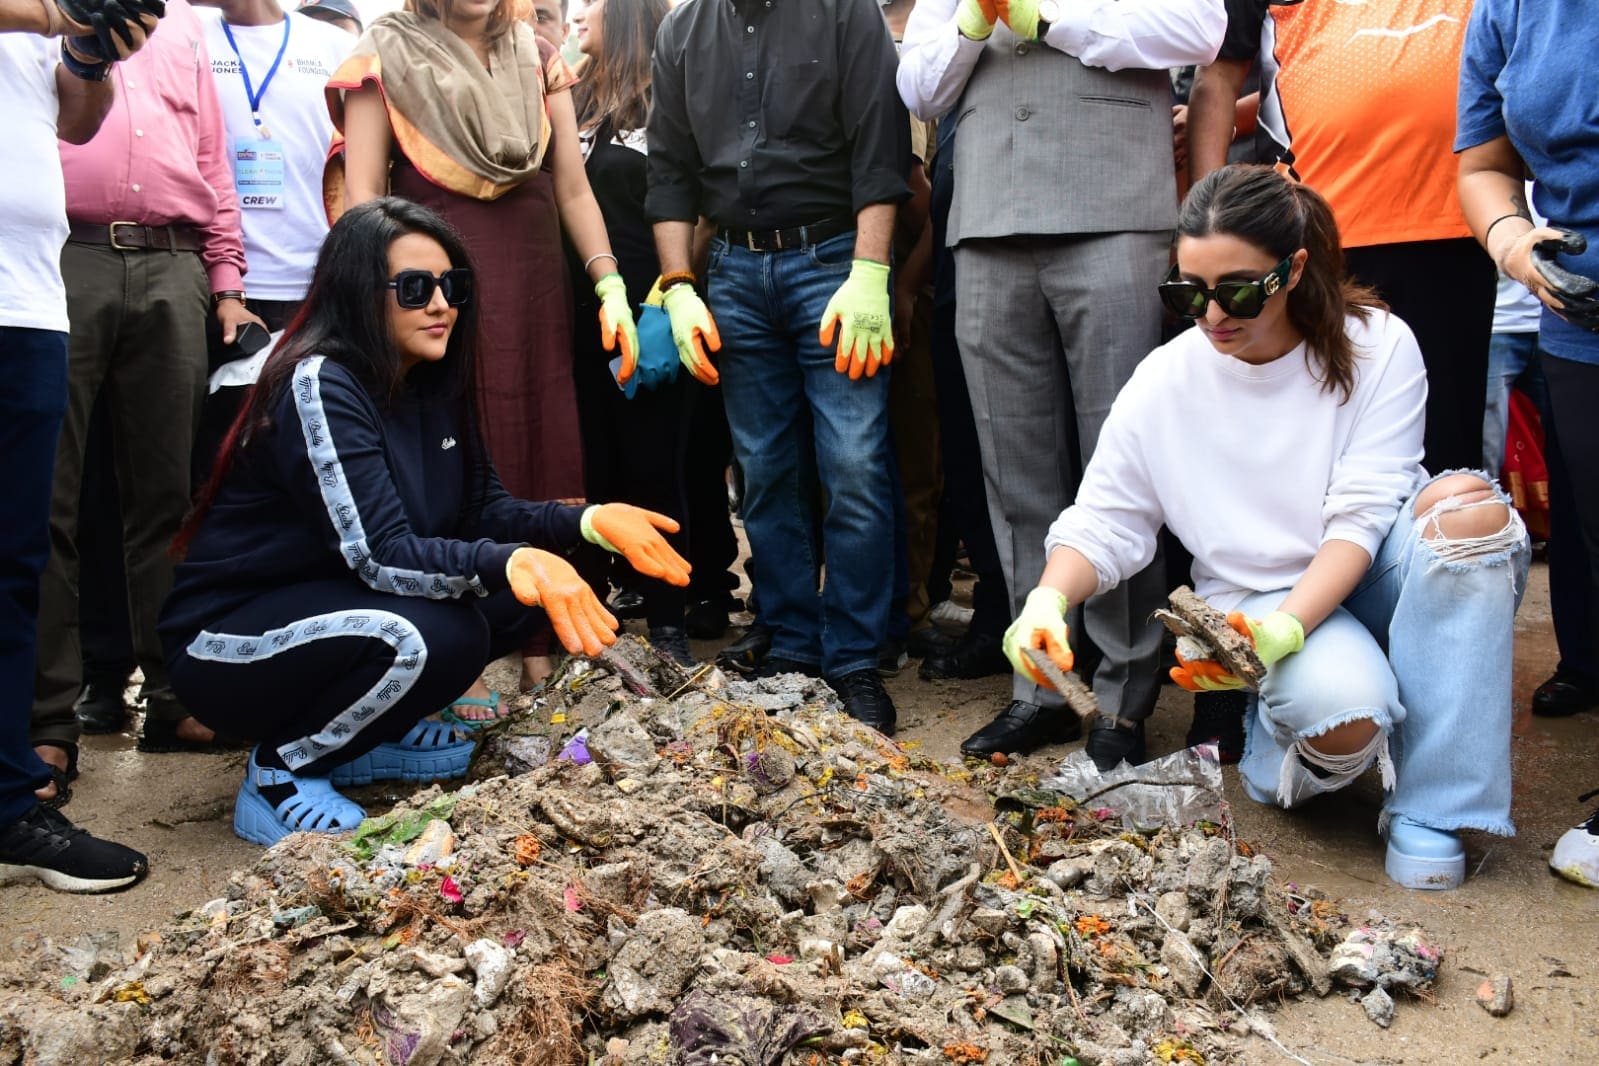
(410, 654)
(340, 502)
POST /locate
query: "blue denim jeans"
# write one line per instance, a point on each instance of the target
(33, 398)
(796, 423)
(1512, 358)
(1422, 647)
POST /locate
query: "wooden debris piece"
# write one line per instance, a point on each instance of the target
(1191, 616)
(1079, 697)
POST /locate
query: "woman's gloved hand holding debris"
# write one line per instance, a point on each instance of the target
(1041, 625)
(1275, 637)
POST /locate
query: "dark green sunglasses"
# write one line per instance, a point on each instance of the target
(1239, 299)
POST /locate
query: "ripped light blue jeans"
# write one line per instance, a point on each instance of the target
(1422, 647)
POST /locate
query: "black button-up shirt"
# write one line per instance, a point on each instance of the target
(768, 114)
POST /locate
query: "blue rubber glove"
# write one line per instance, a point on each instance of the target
(657, 357)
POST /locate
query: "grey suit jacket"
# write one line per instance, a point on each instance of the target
(1048, 146)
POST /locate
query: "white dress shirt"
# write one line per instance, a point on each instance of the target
(935, 60)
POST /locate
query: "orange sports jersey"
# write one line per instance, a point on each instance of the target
(1358, 101)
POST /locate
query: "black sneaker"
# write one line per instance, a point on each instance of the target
(746, 653)
(672, 642)
(865, 699)
(1576, 854)
(43, 844)
(100, 707)
(773, 665)
(1219, 719)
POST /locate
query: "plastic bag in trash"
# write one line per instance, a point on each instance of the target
(1175, 790)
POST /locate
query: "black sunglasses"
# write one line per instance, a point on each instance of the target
(1239, 299)
(413, 289)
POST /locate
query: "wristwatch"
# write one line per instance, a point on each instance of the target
(1048, 15)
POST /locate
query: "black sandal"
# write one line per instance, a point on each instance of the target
(62, 779)
(160, 737)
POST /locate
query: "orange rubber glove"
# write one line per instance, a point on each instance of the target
(1203, 675)
(616, 323)
(1275, 637)
(1041, 625)
(635, 534)
(693, 331)
(581, 622)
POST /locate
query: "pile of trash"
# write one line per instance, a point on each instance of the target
(656, 868)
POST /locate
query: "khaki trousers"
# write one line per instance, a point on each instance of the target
(138, 336)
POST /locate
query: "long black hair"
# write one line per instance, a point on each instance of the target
(345, 319)
(614, 86)
(1279, 216)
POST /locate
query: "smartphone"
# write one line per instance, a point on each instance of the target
(249, 339)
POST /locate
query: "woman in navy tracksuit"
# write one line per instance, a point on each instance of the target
(354, 562)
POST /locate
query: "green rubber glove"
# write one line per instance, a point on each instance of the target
(861, 304)
(975, 18)
(1041, 625)
(1276, 636)
(693, 330)
(1021, 16)
(616, 323)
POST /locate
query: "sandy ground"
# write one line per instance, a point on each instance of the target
(1512, 917)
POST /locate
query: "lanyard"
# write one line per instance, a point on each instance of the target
(251, 93)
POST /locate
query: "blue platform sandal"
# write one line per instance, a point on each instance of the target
(429, 752)
(472, 725)
(1423, 857)
(314, 808)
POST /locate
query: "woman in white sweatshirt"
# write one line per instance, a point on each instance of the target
(1281, 441)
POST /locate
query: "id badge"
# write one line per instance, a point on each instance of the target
(258, 173)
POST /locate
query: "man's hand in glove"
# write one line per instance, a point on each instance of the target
(581, 622)
(1041, 625)
(635, 534)
(115, 28)
(1575, 298)
(693, 331)
(861, 304)
(975, 18)
(1276, 637)
(1021, 16)
(616, 323)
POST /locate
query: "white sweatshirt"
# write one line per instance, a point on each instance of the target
(1252, 467)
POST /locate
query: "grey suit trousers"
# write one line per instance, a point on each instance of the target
(1050, 329)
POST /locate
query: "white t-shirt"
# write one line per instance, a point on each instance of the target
(1252, 467)
(280, 203)
(33, 198)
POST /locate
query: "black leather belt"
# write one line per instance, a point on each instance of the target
(779, 240)
(136, 237)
